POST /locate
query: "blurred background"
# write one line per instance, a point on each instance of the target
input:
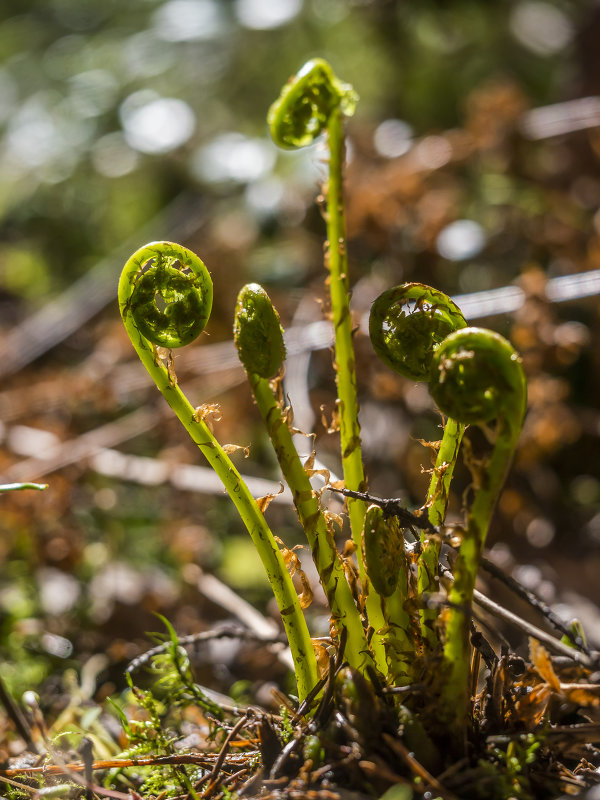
(474, 165)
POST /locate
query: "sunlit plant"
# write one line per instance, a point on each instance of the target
(315, 101)
(165, 298)
(380, 615)
(476, 378)
(407, 324)
(259, 341)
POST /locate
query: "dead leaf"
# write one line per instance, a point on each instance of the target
(163, 356)
(234, 448)
(206, 410)
(435, 446)
(581, 696)
(531, 707)
(324, 473)
(334, 425)
(540, 658)
(310, 461)
(264, 502)
(322, 656)
(294, 567)
(306, 595)
(334, 519)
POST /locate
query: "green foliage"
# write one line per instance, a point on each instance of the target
(175, 677)
(381, 616)
(154, 729)
(474, 375)
(194, 422)
(287, 728)
(15, 793)
(150, 735)
(505, 773)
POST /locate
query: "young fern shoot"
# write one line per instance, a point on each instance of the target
(165, 299)
(407, 324)
(476, 377)
(259, 340)
(312, 102)
(387, 567)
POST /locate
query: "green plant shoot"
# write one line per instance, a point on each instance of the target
(314, 101)
(476, 377)
(165, 299)
(407, 324)
(259, 340)
(387, 568)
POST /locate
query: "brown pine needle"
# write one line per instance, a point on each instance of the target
(206, 760)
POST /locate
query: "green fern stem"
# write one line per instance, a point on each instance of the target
(318, 532)
(311, 102)
(387, 568)
(455, 691)
(164, 255)
(436, 503)
(407, 324)
(339, 288)
(345, 367)
(259, 340)
(476, 377)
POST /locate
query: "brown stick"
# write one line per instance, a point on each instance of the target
(206, 760)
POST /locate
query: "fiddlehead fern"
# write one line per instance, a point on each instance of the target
(383, 552)
(166, 274)
(312, 101)
(407, 324)
(302, 111)
(185, 296)
(476, 377)
(387, 568)
(257, 332)
(259, 340)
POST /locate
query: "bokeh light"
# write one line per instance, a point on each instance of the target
(266, 14)
(156, 124)
(393, 138)
(189, 20)
(234, 157)
(461, 240)
(541, 27)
